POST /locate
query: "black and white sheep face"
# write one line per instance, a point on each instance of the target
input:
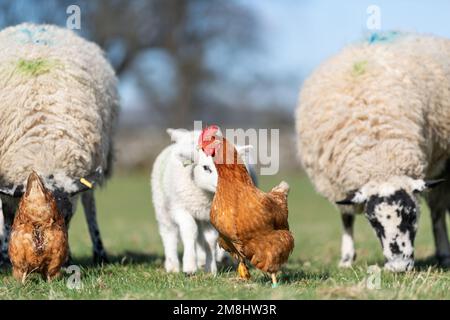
(392, 209)
(394, 218)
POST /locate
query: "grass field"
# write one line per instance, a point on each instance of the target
(131, 237)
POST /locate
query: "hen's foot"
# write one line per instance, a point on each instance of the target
(243, 271)
(274, 280)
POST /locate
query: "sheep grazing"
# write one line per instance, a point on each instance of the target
(373, 128)
(183, 183)
(58, 114)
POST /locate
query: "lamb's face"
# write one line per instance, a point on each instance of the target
(392, 209)
(205, 173)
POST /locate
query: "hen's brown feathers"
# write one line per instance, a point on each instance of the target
(39, 241)
(252, 224)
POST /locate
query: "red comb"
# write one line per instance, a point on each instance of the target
(207, 133)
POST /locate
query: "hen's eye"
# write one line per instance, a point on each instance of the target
(206, 168)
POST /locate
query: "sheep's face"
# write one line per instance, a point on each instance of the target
(205, 173)
(392, 209)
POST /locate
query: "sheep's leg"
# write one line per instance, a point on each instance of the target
(8, 211)
(169, 236)
(88, 200)
(68, 212)
(440, 236)
(211, 236)
(200, 245)
(437, 200)
(347, 246)
(2, 234)
(188, 232)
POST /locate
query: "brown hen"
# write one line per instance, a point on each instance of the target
(39, 241)
(252, 225)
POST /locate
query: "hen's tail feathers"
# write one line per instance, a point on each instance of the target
(283, 187)
(269, 251)
(280, 193)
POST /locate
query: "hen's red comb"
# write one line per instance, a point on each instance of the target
(207, 134)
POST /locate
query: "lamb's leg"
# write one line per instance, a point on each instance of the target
(347, 246)
(201, 245)
(90, 212)
(188, 232)
(169, 236)
(211, 236)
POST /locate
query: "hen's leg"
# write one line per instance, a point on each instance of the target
(274, 280)
(347, 246)
(88, 200)
(188, 232)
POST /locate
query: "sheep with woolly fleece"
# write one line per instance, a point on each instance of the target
(373, 126)
(58, 114)
(183, 182)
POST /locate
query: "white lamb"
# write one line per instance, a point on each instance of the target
(58, 112)
(183, 182)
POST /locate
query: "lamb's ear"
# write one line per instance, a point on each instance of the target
(353, 197)
(185, 156)
(13, 191)
(88, 182)
(176, 134)
(421, 185)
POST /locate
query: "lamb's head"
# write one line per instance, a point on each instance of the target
(204, 173)
(392, 208)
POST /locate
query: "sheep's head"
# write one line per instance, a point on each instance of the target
(392, 209)
(38, 197)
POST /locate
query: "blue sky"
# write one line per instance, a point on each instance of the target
(298, 35)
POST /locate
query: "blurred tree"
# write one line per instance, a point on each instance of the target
(184, 30)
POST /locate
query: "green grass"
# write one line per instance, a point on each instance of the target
(131, 237)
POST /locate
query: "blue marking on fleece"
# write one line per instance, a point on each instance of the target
(383, 37)
(38, 36)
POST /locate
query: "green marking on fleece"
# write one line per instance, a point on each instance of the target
(35, 67)
(359, 68)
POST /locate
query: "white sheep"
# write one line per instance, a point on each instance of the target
(59, 109)
(373, 125)
(183, 183)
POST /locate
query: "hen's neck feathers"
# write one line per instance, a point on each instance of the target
(233, 168)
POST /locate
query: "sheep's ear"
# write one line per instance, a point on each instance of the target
(422, 185)
(88, 182)
(13, 191)
(354, 197)
(176, 134)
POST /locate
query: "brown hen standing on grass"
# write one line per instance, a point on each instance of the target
(39, 241)
(252, 224)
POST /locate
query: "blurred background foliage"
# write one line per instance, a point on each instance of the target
(236, 63)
